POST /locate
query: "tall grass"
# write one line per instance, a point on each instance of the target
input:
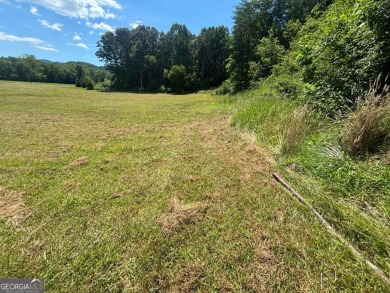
(293, 130)
(368, 128)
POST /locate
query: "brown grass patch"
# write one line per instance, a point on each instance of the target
(215, 196)
(234, 148)
(189, 278)
(12, 207)
(79, 162)
(113, 134)
(181, 214)
(263, 271)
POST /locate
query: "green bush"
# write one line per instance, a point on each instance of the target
(87, 83)
(177, 78)
(103, 86)
(225, 89)
(341, 53)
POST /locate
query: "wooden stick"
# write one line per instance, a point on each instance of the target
(332, 231)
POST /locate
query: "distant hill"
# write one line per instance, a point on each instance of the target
(70, 62)
(46, 61)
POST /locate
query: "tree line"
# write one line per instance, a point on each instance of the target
(28, 68)
(144, 58)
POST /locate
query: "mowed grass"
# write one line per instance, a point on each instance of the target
(122, 192)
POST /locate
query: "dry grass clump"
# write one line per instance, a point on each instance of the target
(293, 130)
(79, 162)
(188, 278)
(180, 214)
(12, 206)
(368, 127)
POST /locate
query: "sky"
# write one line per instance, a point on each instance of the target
(68, 30)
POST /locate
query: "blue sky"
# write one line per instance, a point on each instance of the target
(67, 30)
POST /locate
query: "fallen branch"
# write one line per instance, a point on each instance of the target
(332, 231)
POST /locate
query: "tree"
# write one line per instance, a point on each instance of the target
(144, 42)
(176, 46)
(6, 68)
(269, 53)
(177, 78)
(253, 19)
(127, 54)
(211, 54)
(29, 69)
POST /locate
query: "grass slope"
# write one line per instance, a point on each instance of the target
(120, 192)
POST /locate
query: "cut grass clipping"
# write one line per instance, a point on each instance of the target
(181, 214)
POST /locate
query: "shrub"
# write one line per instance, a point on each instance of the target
(103, 86)
(177, 78)
(78, 83)
(87, 83)
(162, 89)
(225, 89)
(340, 54)
(367, 129)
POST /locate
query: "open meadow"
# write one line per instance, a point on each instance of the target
(124, 192)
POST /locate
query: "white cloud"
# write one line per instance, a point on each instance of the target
(77, 37)
(55, 26)
(80, 8)
(82, 45)
(40, 44)
(47, 48)
(109, 15)
(91, 32)
(136, 24)
(99, 12)
(100, 26)
(12, 38)
(34, 11)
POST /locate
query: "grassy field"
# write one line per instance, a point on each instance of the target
(121, 192)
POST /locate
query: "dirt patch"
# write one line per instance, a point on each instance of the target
(12, 207)
(79, 162)
(180, 214)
